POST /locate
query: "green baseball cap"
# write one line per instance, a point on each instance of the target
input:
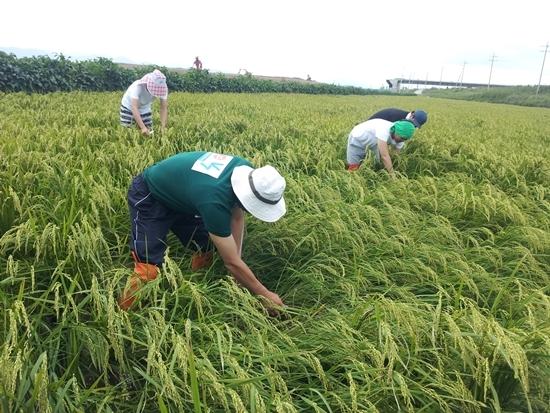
(403, 128)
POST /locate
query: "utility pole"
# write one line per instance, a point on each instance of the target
(542, 68)
(441, 77)
(491, 72)
(461, 77)
(426, 84)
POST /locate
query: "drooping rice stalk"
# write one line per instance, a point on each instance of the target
(427, 293)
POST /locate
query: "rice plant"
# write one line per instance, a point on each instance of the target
(428, 293)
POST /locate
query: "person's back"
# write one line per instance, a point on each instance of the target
(138, 91)
(416, 117)
(202, 187)
(390, 114)
(367, 134)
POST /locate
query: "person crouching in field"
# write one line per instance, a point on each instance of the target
(417, 117)
(136, 102)
(200, 196)
(377, 135)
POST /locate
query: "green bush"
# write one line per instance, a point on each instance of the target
(43, 74)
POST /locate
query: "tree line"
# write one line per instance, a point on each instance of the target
(43, 74)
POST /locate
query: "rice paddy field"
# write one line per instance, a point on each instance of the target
(425, 293)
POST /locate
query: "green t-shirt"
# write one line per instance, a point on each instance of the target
(197, 183)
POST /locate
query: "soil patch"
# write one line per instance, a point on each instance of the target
(230, 75)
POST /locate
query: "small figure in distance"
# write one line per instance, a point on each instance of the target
(135, 106)
(197, 63)
(308, 77)
(417, 117)
(202, 198)
(377, 135)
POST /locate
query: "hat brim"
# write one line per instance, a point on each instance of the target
(144, 79)
(155, 90)
(261, 210)
(416, 123)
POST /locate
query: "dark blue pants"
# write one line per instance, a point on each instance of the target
(151, 221)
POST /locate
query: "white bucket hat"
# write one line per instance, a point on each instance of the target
(260, 191)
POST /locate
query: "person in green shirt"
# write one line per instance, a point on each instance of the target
(200, 197)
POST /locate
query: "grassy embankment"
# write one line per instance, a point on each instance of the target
(428, 293)
(513, 95)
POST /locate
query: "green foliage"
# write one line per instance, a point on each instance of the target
(512, 95)
(42, 75)
(35, 75)
(100, 75)
(427, 293)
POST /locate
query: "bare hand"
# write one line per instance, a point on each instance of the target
(268, 299)
(145, 131)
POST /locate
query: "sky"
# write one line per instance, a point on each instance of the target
(344, 42)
